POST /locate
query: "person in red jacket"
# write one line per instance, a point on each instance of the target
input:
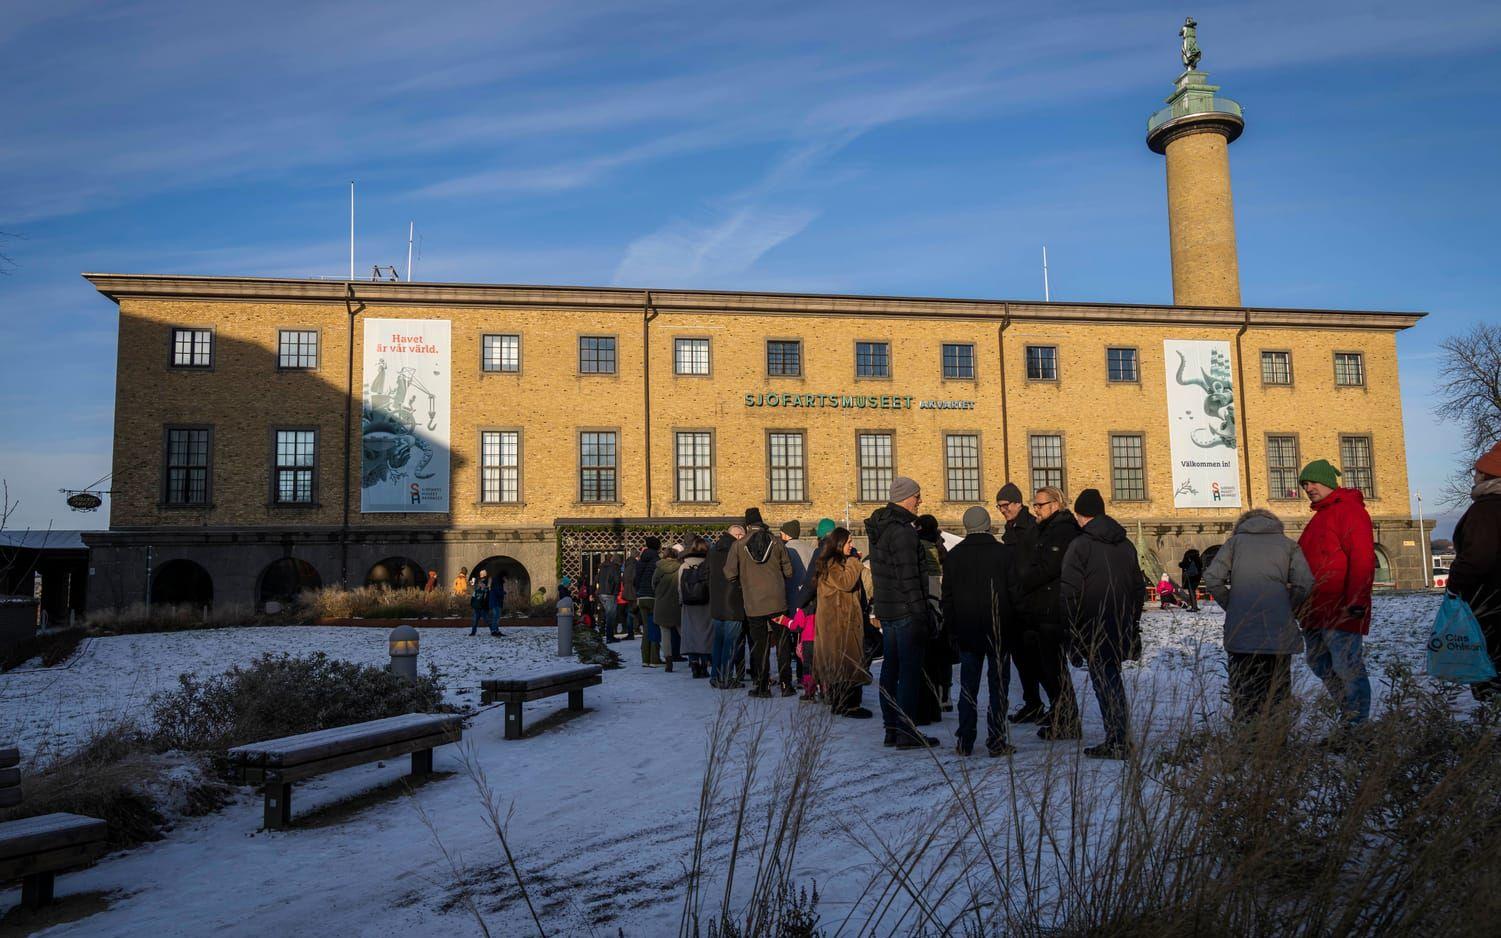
(1340, 548)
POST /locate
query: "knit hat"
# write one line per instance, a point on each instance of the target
(825, 527)
(1490, 463)
(1090, 503)
(753, 516)
(1009, 493)
(903, 488)
(976, 521)
(792, 529)
(1320, 471)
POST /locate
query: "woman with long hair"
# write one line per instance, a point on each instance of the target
(839, 653)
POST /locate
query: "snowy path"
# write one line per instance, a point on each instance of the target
(604, 801)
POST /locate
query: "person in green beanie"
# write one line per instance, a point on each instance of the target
(1339, 545)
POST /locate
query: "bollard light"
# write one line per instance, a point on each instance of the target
(403, 642)
(565, 626)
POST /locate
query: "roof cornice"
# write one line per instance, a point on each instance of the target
(713, 302)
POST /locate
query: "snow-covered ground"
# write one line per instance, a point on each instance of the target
(604, 801)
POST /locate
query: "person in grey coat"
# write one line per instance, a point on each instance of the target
(1259, 577)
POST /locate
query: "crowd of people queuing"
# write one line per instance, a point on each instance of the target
(1062, 585)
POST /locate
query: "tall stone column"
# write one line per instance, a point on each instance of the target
(1195, 131)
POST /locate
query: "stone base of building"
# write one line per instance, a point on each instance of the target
(252, 567)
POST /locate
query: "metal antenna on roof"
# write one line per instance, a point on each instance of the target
(411, 228)
(1047, 294)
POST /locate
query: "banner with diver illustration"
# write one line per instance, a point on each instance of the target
(404, 419)
(1201, 424)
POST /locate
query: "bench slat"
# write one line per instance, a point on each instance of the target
(490, 695)
(308, 747)
(48, 832)
(541, 677)
(9, 756)
(258, 774)
(50, 861)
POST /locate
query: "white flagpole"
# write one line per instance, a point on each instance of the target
(1047, 294)
(351, 229)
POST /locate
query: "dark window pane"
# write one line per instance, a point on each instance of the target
(597, 355)
(784, 358)
(1121, 364)
(872, 360)
(502, 353)
(1042, 362)
(958, 361)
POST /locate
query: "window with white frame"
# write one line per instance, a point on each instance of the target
(875, 465)
(296, 459)
(297, 349)
(695, 466)
(500, 467)
(961, 457)
(785, 460)
(192, 348)
(690, 356)
(502, 353)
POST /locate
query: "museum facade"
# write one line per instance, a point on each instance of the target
(276, 434)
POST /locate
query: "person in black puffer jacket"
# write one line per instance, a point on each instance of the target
(901, 603)
(1047, 629)
(1101, 592)
(646, 600)
(1021, 534)
(727, 612)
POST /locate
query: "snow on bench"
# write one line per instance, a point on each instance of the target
(534, 685)
(35, 849)
(277, 763)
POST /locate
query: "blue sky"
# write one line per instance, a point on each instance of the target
(869, 147)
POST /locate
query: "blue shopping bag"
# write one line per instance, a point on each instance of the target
(1456, 648)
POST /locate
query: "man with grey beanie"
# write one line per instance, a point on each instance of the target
(979, 582)
(901, 603)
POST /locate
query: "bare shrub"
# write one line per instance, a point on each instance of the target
(138, 618)
(53, 647)
(282, 695)
(368, 602)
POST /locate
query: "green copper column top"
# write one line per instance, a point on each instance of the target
(1194, 104)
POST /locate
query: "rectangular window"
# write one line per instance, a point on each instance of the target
(872, 360)
(690, 356)
(502, 353)
(1120, 364)
(1349, 369)
(192, 348)
(500, 467)
(187, 466)
(1282, 467)
(1047, 460)
(1355, 460)
(596, 355)
(876, 467)
(695, 466)
(1128, 474)
(784, 359)
(297, 348)
(1276, 368)
(958, 361)
(961, 459)
(597, 452)
(296, 454)
(784, 458)
(1042, 363)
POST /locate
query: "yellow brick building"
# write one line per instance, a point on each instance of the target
(741, 375)
(579, 420)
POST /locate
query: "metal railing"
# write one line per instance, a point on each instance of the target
(1194, 104)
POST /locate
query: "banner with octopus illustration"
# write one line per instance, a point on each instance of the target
(1201, 424)
(404, 420)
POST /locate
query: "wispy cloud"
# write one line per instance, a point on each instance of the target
(686, 254)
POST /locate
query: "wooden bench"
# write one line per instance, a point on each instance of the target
(535, 685)
(35, 849)
(278, 763)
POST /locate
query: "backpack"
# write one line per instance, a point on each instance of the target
(693, 585)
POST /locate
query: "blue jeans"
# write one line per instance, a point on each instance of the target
(1336, 658)
(481, 617)
(1110, 691)
(998, 680)
(901, 673)
(493, 619)
(722, 659)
